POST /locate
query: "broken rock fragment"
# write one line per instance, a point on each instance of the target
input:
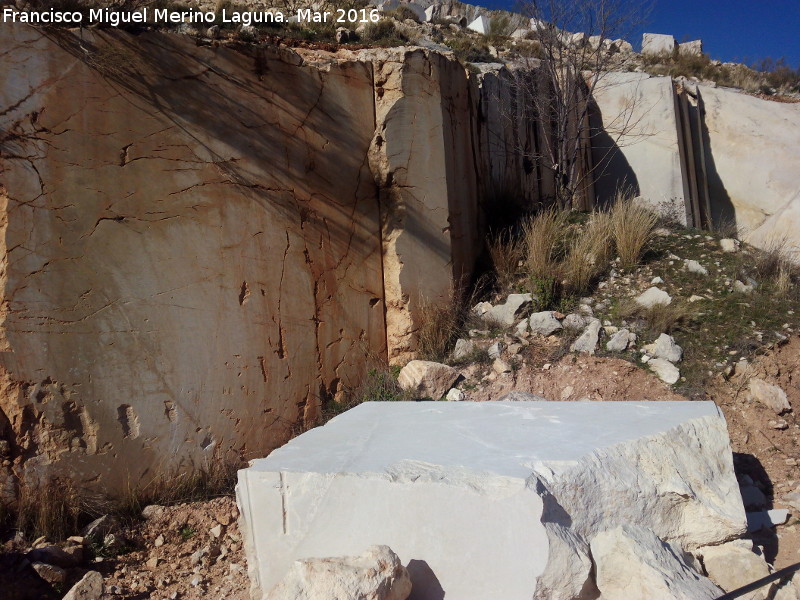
(587, 342)
(634, 564)
(377, 574)
(771, 396)
(508, 313)
(427, 379)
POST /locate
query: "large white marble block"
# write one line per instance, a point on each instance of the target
(493, 500)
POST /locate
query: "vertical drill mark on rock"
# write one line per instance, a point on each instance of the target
(283, 502)
(129, 421)
(244, 294)
(263, 365)
(170, 411)
(281, 349)
(123, 155)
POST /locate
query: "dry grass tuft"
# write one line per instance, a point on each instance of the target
(632, 228)
(660, 318)
(439, 325)
(52, 509)
(544, 236)
(588, 255)
(505, 253)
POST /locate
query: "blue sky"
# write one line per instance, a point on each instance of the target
(740, 30)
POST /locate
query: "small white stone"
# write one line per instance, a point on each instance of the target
(619, 341)
(771, 396)
(666, 348)
(496, 350)
(544, 323)
(587, 342)
(666, 371)
(652, 297)
(455, 395)
(695, 267)
(500, 366)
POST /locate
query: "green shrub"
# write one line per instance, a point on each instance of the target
(384, 33)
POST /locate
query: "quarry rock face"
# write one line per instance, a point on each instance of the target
(183, 280)
(186, 281)
(201, 243)
(752, 172)
(524, 488)
(637, 141)
(702, 155)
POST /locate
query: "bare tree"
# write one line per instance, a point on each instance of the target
(575, 43)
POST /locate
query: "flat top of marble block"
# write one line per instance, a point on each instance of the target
(504, 438)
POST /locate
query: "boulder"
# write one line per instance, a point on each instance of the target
(743, 288)
(578, 39)
(621, 45)
(101, 527)
(619, 341)
(575, 321)
(634, 564)
(455, 395)
(521, 487)
(90, 587)
(54, 555)
(427, 379)
(152, 511)
(666, 348)
(693, 48)
(508, 313)
(50, 573)
(587, 341)
(765, 519)
(500, 366)
(653, 296)
(481, 308)
(481, 24)
(666, 371)
(343, 35)
(771, 396)
(496, 349)
(733, 565)
(544, 323)
(522, 328)
(377, 574)
(463, 348)
(657, 43)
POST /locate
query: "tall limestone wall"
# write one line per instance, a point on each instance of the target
(186, 271)
(201, 245)
(753, 164)
(710, 157)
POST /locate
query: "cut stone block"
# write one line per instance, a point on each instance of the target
(657, 43)
(487, 500)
